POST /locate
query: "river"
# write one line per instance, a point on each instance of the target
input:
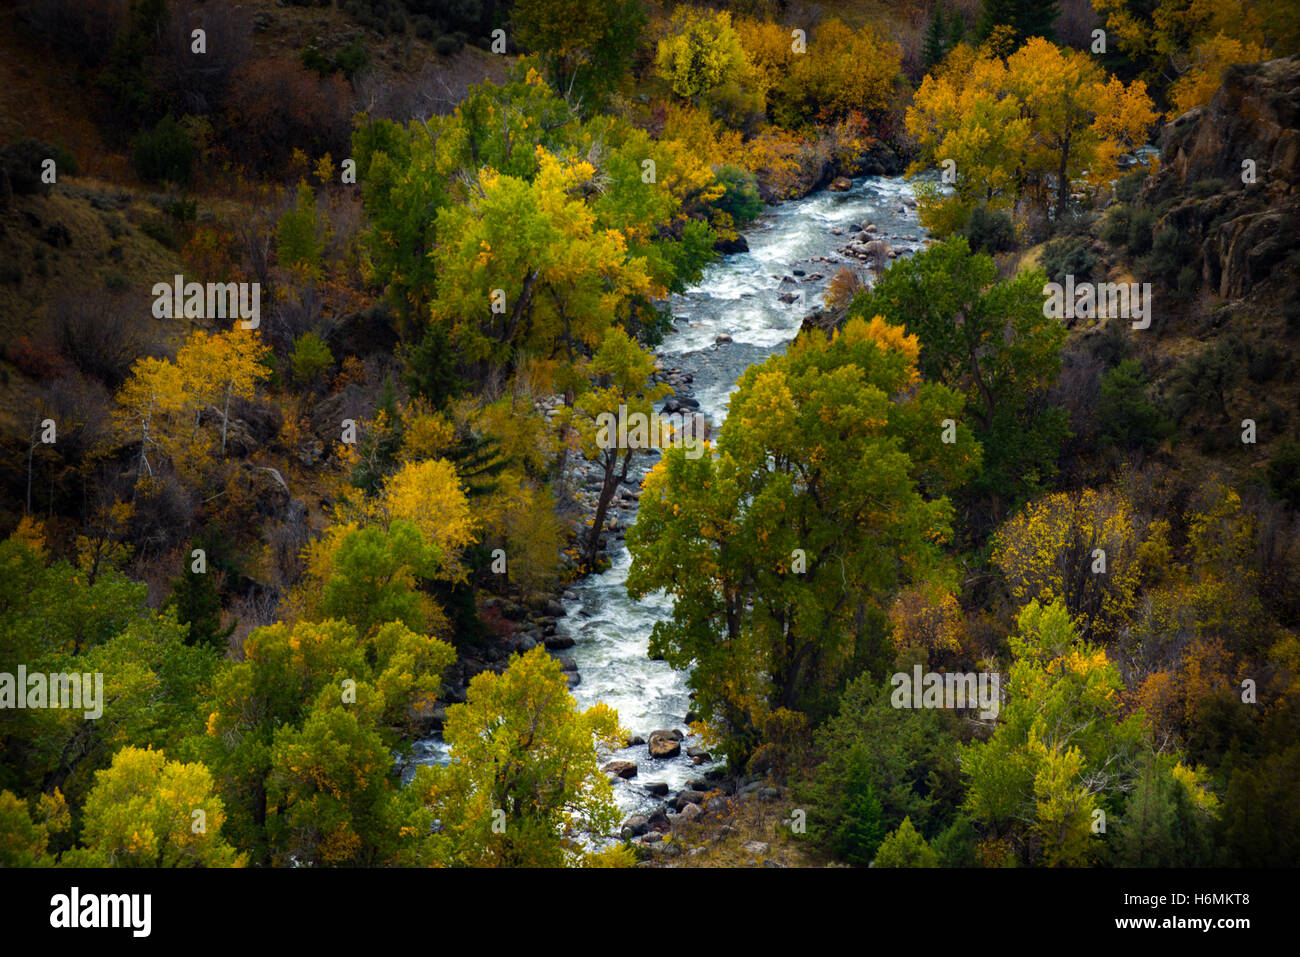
(738, 296)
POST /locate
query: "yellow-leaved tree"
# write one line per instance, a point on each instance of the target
(1077, 548)
(428, 494)
(220, 367)
(1046, 115)
(146, 811)
(524, 780)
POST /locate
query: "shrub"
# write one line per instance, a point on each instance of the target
(164, 154)
(1140, 227)
(989, 231)
(160, 231)
(95, 333)
(37, 360)
(1284, 472)
(1114, 230)
(741, 199)
(182, 211)
(311, 357)
(21, 163)
(1170, 260)
(447, 44)
(1128, 418)
(1071, 256)
(1205, 379)
(1112, 345)
(1127, 187)
(1264, 362)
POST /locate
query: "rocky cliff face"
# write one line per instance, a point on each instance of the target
(1231, 170)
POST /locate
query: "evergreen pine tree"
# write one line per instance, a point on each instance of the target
(1028, 18)
(197, 601)
(933, 48)
(956, 30)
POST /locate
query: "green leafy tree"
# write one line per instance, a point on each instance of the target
(990, 340)
(297, 244)
(524, 777)
(299, 736)
(1061, 749)
(529, 272)
(622, 371)
(825, 495)
(373, 576)
(146, 811)
(586, 46)
(327, 791)
(904, 847)
(1129, 419)
(25, 836)
(310, 359)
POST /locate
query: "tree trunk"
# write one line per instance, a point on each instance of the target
(602, 504)
(225, 417)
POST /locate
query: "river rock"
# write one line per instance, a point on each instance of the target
(690, 812)
(558, 642)
(728, 246)
(691, 797)
(663, 745)
(622, 769)
(636, 825)
(840, 184)
(657, 788)
(635, 739)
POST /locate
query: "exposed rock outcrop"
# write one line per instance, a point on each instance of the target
(1230, 176)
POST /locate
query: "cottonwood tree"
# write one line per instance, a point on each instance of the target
(990, 340)
(621, 370)
(524, 778)
(778, 547)
(1062, 748)
(526, 271)
(1013, 126)
(141, 813)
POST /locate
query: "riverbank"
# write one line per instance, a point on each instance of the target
(748, 306)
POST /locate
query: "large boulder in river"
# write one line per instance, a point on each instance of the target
(665, 744)
(622, 769)
(728, 246)
(636, 825)
(840, 184)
